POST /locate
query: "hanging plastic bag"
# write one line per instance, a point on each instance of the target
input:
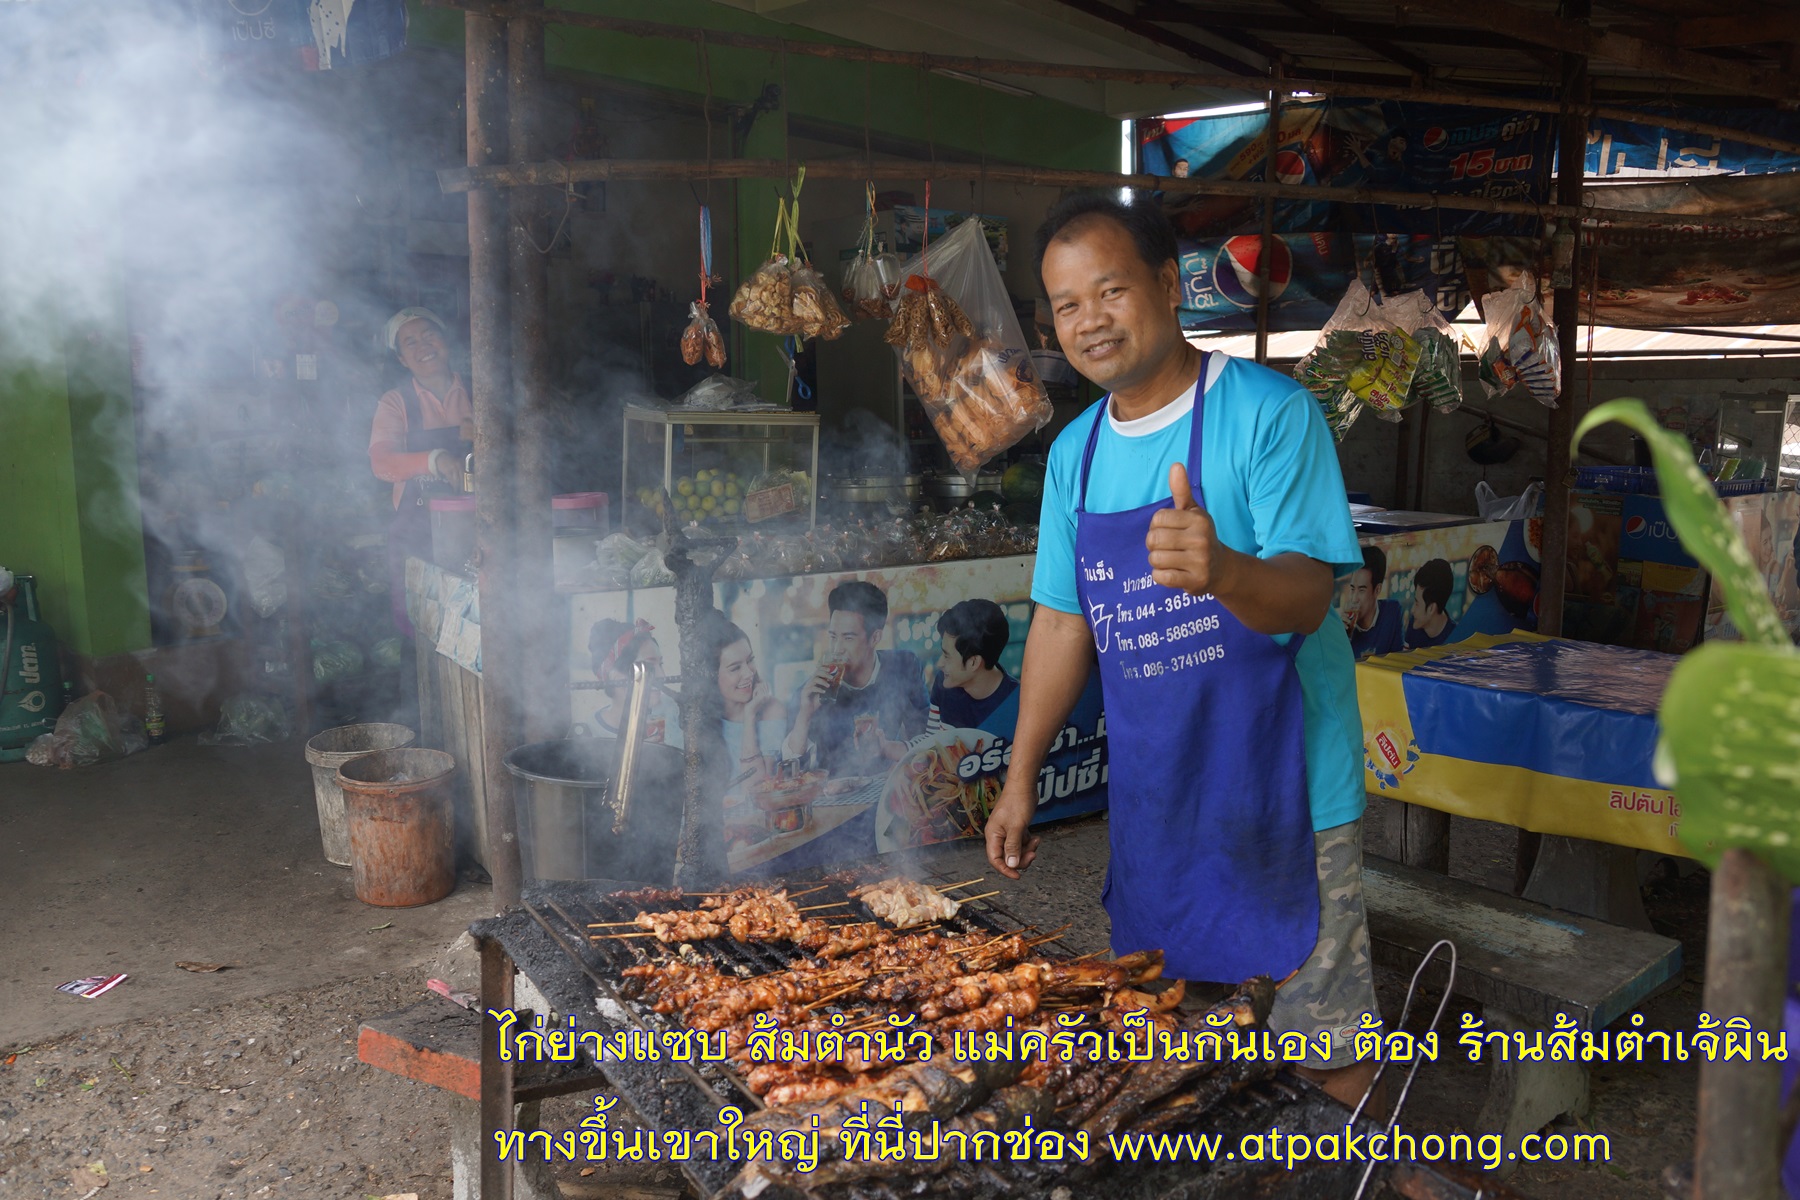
(1438, 380)
(816, 311)
(1361, 360)
(701, 340)
(1519, 347)
(765, 301)
(786, 296)
(872, 280)
(963, 352)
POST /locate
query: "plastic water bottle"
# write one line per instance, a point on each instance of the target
(154, 726)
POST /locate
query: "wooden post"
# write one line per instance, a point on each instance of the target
(1571, 163)
(1736, 1154)
(1571, 160)
(1265, 252)
(539, 632)
(700, 847)
(490, 389)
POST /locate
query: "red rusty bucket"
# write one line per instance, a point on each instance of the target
(402, 826)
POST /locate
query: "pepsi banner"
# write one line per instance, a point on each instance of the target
(1391, 145)
(1618, 147)
(1308, 274)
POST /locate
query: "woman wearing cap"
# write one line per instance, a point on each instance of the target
(423, 430)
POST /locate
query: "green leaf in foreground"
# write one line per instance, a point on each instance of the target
(1699, 520)
(1730, 718)
(1731, 728)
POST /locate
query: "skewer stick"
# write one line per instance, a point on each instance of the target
(830, 996)
(602, 937)
(951, 887)
(983, 896)
(809, 891)
(817, 907)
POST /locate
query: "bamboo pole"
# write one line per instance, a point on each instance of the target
(717, 39)
(554, 173)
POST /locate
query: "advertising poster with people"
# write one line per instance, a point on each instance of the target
(1770, 526)
(1432, 587)
(847, 714)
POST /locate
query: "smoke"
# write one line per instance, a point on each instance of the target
(143, 142)
(180, 201)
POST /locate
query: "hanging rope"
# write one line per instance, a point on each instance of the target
(706, 250)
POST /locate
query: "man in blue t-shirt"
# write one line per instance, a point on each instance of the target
(970, 682)
(1431, 625)
(1375, 626)
(1243, 548)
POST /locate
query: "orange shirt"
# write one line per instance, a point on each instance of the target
(388, 454)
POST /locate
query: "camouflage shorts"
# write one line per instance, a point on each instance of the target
(1336, 985)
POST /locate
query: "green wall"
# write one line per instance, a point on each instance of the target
(899, 101)
(68, 461)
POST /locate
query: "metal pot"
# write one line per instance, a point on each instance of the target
(952, 486)
(876, 489)
(949, 486)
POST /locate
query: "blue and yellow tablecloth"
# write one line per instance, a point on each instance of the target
(1549, 735)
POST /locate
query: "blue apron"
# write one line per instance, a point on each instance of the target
(1210, 826)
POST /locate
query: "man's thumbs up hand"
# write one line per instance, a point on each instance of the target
(1184, 548)
(1182, 490)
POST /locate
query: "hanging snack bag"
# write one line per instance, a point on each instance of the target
(1362, 360)
(963, 352)
(701, 340)
(816, 311)
(1519, 348)
(1438, 380)
(872, 280)
(765, 301)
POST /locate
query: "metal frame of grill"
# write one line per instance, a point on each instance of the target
(547, 939)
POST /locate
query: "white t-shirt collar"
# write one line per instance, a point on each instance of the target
(1169, 413)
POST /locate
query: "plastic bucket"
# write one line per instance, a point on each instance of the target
(331, 750)
(565, 791)
(402, 826)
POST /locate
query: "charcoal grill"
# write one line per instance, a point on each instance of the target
(547, 939)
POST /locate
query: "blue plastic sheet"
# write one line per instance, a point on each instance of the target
(1574, 709)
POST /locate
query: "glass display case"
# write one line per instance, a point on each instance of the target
(722, 468)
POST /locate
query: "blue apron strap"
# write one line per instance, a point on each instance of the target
(1087, 455)
(1194, 461)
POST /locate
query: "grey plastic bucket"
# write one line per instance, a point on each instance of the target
(565, 791)
(326, 753)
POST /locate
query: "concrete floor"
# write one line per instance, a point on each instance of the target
(212, 854)
(184, 853)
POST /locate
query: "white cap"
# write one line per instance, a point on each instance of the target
(412, 314)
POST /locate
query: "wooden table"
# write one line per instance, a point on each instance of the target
(1549, 735)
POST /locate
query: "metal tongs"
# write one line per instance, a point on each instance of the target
(628, 744)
